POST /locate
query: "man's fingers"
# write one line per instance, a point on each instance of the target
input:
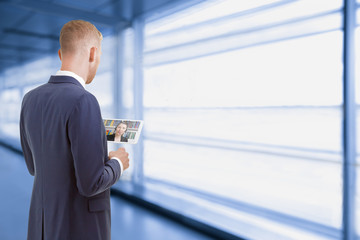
(121, 149)
(121, 154)
(126, 165)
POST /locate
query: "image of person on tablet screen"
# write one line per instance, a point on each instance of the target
(119, 135)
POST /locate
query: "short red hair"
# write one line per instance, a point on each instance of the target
(78, 33)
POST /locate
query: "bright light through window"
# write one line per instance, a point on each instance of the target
(249, 112)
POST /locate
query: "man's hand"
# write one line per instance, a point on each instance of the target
(122, 155)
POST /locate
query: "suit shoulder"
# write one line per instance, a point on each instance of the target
(86, 98)
(88, 95)
(85, 104)
(33, 91)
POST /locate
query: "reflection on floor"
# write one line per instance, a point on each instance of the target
(128, 221)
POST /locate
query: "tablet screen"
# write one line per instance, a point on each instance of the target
(123, 130)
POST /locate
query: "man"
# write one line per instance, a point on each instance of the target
(64, 144)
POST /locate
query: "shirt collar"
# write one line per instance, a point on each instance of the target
(71, 74)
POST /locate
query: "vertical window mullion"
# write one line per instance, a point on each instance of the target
(138, 94)
(349, 120)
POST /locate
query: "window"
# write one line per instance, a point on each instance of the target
(10, 112)
(242, 102)
(19, 80)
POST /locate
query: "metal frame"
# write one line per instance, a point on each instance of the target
(349, 121)
(138, 26)
(159, 63)
(118, 72)
(318, 155)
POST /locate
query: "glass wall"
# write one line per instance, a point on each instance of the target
(17, 81)
(242, 102)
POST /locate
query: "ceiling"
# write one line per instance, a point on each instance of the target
(30, 29)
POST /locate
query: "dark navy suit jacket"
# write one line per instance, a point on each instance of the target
(65, 148)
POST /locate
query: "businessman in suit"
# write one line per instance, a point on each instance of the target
(64, 144)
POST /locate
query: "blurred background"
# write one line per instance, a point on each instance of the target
(250, 113)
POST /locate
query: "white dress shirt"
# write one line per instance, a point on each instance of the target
(71, 74)
(121, 165)
(82, 82)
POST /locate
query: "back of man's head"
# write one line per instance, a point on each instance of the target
(77, 36)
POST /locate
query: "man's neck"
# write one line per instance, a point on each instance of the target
(77, 67)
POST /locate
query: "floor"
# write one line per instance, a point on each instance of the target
(129, 221)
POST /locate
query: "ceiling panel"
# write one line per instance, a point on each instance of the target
(30, 28)
(87, 5)
(10, 16)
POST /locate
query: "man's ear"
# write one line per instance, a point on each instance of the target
(59, 52)
(92, 54)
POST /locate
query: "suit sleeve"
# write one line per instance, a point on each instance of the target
(25, 145)
(94, 174)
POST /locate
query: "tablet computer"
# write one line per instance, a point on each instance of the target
(123, 130)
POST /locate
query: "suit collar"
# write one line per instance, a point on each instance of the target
(64, 79)
(71, 74)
